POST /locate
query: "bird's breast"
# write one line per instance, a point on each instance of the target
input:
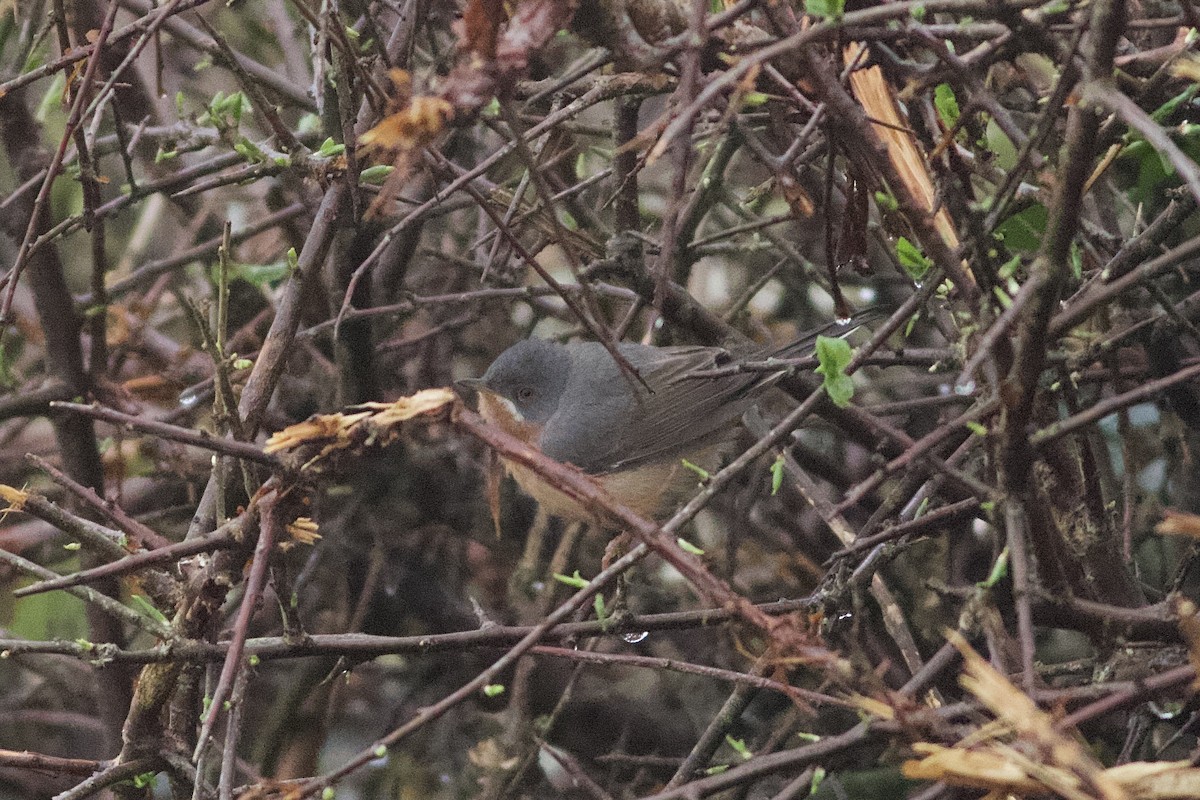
(501, 413)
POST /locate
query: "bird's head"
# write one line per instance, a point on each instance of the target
(526, 382)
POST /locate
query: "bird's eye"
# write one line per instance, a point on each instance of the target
(524, 394)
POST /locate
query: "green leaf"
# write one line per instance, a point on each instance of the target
(739, 747)
(1009, 268)
(912, 323)
(688, 547)
(922, 508)
(840, 390)
(601, 612)
(886, 201)
(377, 174)
(777, 474)
(912, 259)
(834, 355)
(1002, 297)
(249, 150)
(754, 99)
(36, 58)
(225, 111)
(233, 107)
(575, 581)
(817, 778)
(51, 615)
(999, 571)
(329, 148)
(826, 9)
(260, 274)
(146, 607)
(1163, 112)
(699, 470)
(144, 779)
(51, 99)
(977, 428)
(946, 104)
(493, 690)
(1022, 232)
(997, 141)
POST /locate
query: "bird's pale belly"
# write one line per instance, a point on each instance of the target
(651, 491)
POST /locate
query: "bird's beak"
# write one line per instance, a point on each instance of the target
(471, 383)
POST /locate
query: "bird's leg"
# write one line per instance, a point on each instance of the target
(617, 547)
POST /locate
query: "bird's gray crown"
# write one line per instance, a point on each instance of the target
(532, 375)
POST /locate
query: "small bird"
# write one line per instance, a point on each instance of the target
(632, 434)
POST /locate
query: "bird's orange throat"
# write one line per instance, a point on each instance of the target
(499, 412)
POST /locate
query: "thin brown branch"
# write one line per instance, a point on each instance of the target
(230, 447)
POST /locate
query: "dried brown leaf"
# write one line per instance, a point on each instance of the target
(488, 755)
(1159, 780)
(1034, 728)
(303, 530)
(878, 99)
(494, 474)
(1178, 523)
(1189, 625)
(796, 196)
(155, 387)
(979, 769)
(14, 497)
(1186, 66)
(532, 25)
(480, 27)
(413, 126)
(322, 428)
(309, 443)
(870, 705)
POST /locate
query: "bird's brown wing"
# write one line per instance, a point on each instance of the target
(601, 427)
(682, 414)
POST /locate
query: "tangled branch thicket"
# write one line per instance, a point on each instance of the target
(250, 550)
